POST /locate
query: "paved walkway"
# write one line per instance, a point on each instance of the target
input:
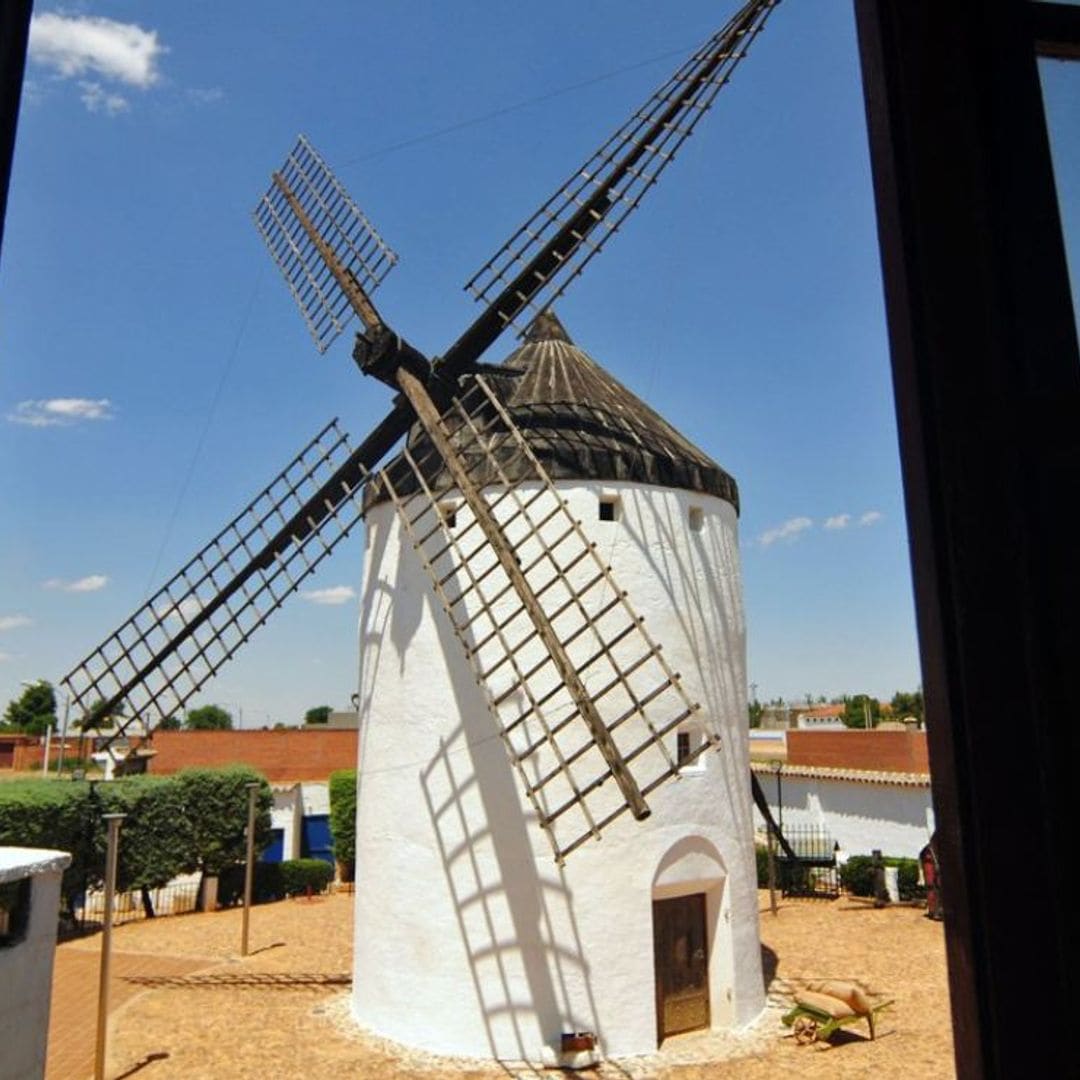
(73, 1017)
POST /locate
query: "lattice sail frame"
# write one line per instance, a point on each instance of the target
(164, 653)
(640, 699)
(340, 225)
(594, 200)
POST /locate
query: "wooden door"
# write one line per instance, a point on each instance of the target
(680, 948)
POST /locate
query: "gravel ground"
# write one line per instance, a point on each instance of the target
(283, 1011)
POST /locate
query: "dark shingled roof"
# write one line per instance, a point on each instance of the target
(583, 424)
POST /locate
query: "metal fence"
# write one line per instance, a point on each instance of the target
(813, 873)
(179, 897)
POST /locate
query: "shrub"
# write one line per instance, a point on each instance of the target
(265, 886)
(49, 814)
(298, 874)
(761, 856)
(343, 819)
(191, 821)
(857, 876)
(155, 837)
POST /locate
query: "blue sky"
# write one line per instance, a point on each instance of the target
(154, 373)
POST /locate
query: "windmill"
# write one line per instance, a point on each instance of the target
(581, 696)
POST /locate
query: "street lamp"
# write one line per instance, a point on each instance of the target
(778, 768)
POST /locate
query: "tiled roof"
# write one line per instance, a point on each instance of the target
(858, 776)
(583, 424)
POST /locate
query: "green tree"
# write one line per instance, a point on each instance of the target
(209, 718)
(215, 806)
(905, 704)
(858, 708)
(755, 710)
(156, 836)
(169, 723)
(34, 711)
(343, 819)
(319, 715)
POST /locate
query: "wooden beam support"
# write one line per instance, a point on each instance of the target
(429, 417)
(354, 293)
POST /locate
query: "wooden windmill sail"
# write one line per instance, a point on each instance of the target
(579, 691)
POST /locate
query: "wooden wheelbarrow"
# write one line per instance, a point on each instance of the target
(823, 1007)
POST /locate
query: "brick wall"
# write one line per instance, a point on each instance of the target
(883, 751)
(31, 755)
(290, 754)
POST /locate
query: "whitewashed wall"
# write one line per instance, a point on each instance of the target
(285, 815)
(860, 815)
(469, 939)
(26, 967)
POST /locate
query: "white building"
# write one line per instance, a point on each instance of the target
(861, 809)
(469, 938)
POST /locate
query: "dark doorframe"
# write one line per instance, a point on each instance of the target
(987, 381)
(681, 964)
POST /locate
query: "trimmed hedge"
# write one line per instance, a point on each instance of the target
(343, 819)
(265, 886)
(857, 876)
(297, 875)
(174, 824)
(51, 814)
(274, 881)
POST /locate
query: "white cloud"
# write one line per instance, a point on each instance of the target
(336, 594)
(75, 45)
(871, 517)
(838, 521)
(788, 531)
(90, 583)
(60, 412)
(13, 622)
(97, 99)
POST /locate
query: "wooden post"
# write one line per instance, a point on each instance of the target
(772, 870)
(112, 853)
(249, 865)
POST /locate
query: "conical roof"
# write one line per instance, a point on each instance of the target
(583, 424)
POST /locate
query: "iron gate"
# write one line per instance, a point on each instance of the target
(813, 872)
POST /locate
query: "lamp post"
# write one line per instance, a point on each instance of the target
(249, 866)
(111, 858)
(778, 768)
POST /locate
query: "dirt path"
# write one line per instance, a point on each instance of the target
(283, 1011)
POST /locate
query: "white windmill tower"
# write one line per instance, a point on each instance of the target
(469, 939)
(551, 636)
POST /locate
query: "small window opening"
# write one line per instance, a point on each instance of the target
(449, 514)
(682, 747)
(609, 508)
(697, 519)
(688, 744)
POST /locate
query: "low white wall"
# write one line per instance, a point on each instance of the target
(285, 815)
(26, 966)
(861, 816)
